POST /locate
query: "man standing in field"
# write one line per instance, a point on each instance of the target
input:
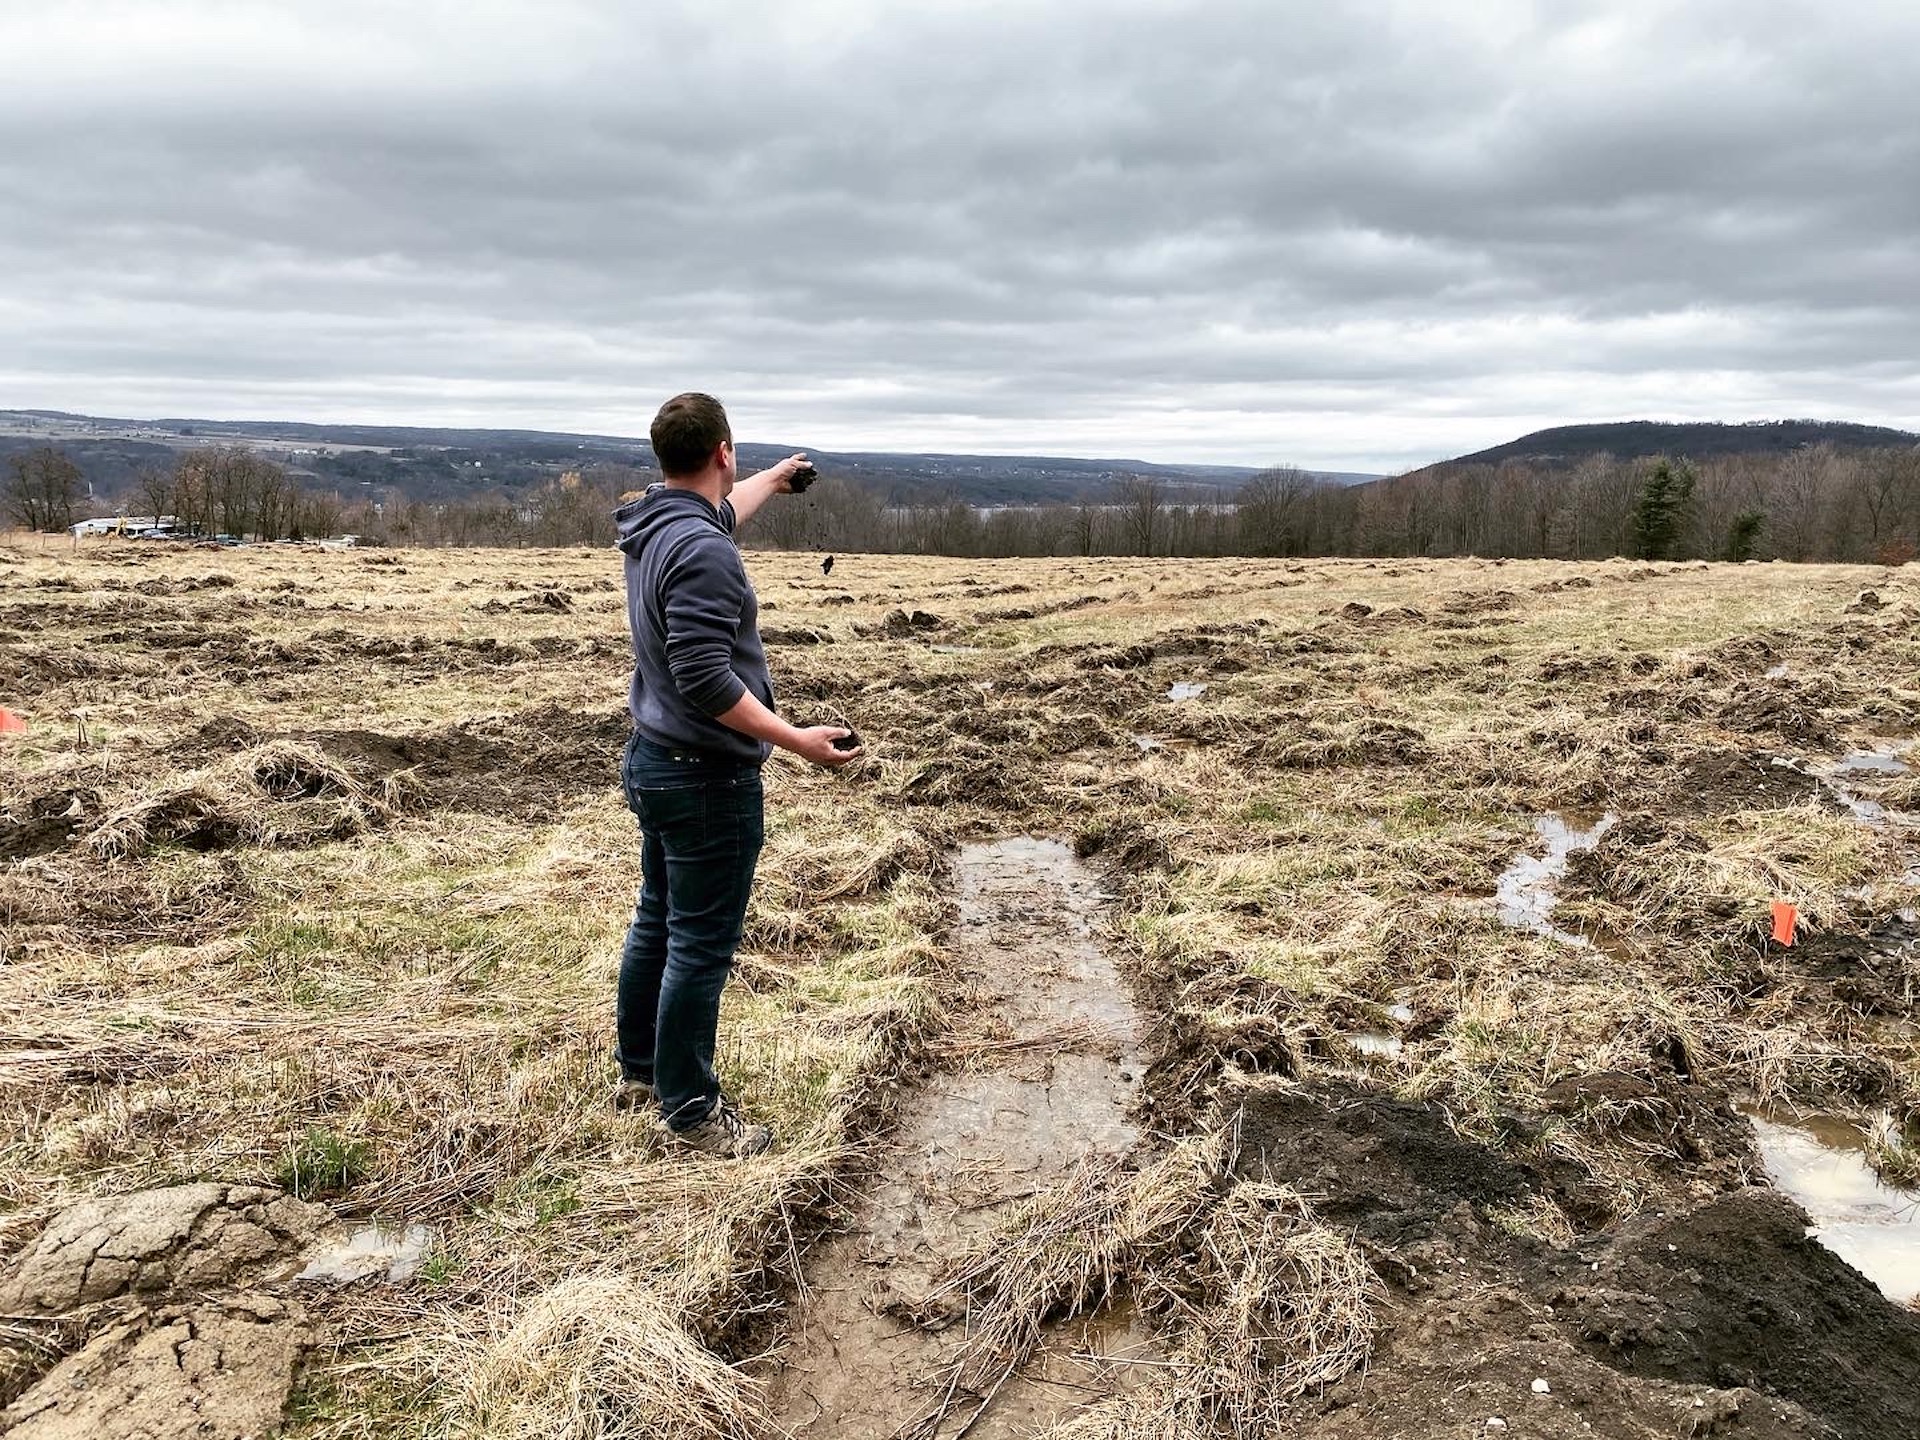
(703, 724)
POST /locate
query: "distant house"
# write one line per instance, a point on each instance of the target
(137, 525)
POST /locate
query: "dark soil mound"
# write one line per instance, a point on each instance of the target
(44, 823)
(1384, 1168)
(1719, 782)
(1734, 1294)
(498, 764)
(1872, 973)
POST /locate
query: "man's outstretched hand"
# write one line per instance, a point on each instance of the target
(784, 472)
(815, 744)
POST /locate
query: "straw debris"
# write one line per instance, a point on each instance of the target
(595, 1357)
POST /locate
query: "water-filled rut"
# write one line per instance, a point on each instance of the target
(1049, 1084)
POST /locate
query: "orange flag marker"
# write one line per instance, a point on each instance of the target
(1785, 918)
(10, 723)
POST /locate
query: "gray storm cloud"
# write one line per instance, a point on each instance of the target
(1245, 233)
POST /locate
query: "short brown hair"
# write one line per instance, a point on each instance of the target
(686, 432)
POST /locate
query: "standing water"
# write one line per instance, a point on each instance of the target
(1524, 896)
(371, 1250)
(1821, 1162)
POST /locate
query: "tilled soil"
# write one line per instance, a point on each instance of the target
(1720, 1318)
(1541, 1159)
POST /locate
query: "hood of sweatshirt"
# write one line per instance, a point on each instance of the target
(640, 519)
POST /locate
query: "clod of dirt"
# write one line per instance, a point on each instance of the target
(1735, 1294)
(214, 1370)
(1571, 665)
(1720, 782)
(1355, 610)
(1871, 972)
(1367, 742)
(795, 635)
(1691, 1132)
(281, 792)
(1867, 602)
(1386, 1169)
(44, 823)
(184, 1236)
(1129, 657)
(1782, 707)
(899, 624)
(540, 602)
(1610, 1087)
(1487, 602)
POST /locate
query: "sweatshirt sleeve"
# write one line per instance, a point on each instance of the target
(705, 592)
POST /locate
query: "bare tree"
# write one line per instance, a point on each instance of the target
(1888, 486)
(43, 488)
(1142, 503)
(1273, 511)
(1800, 483)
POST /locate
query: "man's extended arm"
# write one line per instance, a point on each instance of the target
(751, 493)
(814, 742)
(705, 590)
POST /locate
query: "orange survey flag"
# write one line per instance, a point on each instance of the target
(1785, 918)
(10, 723)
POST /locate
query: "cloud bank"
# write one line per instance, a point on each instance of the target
(1359, 238)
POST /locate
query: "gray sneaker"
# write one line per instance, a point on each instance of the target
(726, 1133)
(633, 1095)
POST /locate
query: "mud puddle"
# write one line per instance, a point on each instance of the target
(1820, 1160)
(1524, 896)
(395, 1252)
(1050, 1086)
(1841, 777)
(1382, 1044)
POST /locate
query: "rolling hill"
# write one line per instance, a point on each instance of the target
(436, 463)
(1637, 439)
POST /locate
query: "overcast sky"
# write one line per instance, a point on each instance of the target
(1360, 236)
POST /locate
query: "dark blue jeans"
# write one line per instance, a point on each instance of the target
(701, 827)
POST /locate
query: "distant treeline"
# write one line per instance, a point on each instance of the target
(1819, 503)
(1815, 504)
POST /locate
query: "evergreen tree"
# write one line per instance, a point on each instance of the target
(1660, 514)
(1743, 536)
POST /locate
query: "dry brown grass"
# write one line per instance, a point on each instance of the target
(594, 1357)
(306, 842)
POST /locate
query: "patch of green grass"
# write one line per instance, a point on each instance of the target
(438, 1268)
(322, 1163)
(539, 1196)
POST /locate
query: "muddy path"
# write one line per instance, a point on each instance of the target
(1044, 1083)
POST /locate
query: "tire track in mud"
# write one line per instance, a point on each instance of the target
(1023, 1107)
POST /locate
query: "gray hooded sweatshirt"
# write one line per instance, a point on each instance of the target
(695, 623)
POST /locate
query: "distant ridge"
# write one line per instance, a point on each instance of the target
(1637, 439)
(450, 463)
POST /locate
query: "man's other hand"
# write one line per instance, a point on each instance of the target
(782, 473)
(815, 744)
